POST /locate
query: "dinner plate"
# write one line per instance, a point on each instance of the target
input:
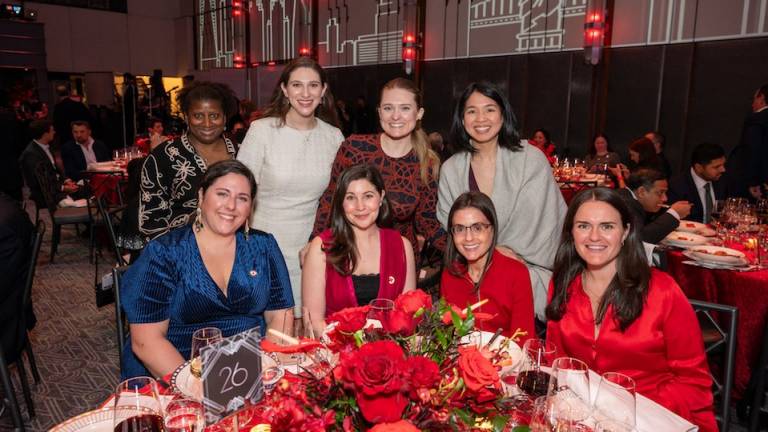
(182, 381)
(690, 226)
(685, 239)
(100, 420)
(513, 349)
(718, 255)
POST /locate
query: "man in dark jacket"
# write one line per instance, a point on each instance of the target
(748, 164)
(82, 151)
(701, 184)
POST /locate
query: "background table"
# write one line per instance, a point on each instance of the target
(748, 291)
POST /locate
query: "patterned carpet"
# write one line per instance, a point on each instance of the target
(74, 341)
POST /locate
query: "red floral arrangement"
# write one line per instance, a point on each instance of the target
(412, 373)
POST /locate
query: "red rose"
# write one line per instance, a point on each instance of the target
(412, 301)
(350, 319)
(400, 426)
(425, 374)
(377, 372)
(400, 323)
(479, 374)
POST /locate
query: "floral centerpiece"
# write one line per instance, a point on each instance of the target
(412, 373)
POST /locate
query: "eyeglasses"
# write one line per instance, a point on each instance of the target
(476, 228)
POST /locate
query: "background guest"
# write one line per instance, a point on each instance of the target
(516, 177)
(646, 193)
(542, 142)
(172, 171)
(659, 140)
(700, 184)
(357, 259)
(642, 154)
(290, 151)
(83, 151)
(605, 302)
(475, 270)
(600, 153)
(748, 164)
(406, 163)
(215, 272)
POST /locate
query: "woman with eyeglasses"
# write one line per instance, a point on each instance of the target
(475, 270)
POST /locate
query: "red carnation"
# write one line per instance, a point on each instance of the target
(350, 319)
(412, 301)
(377, 372)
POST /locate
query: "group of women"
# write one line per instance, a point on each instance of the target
(335, 223)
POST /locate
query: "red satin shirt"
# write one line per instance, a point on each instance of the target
(507, 286)
(662, 350)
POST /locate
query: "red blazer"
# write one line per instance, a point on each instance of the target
(662, 350)
(393, 269)
(507, 286)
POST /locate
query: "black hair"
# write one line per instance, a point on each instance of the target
(342, 251)
(592, 150)
(206, 90)
(629, 287)
(85, 123)
(454, 262)
(705, 153)
(644, 177)
(509, 137)
(38, 128)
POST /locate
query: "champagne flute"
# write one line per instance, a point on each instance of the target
(202, 338)
(532, 380)
(184, 415)
(615, 399)
(137, 406)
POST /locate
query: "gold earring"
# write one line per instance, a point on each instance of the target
(198, 224)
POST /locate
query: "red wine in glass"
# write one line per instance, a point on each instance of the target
(533, 382)
(141, 423)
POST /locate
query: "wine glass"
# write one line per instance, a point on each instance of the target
(137, 407)
(184, 415)
(609, 425)
(615, 399)
(532, 380)
(202, 338)
(569, 390)
(380, 308)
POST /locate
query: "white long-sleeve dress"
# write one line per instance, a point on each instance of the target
(292, 169)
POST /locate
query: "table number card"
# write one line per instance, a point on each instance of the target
(231, 374)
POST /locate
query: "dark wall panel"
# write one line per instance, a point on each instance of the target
(547, 98)
(580, 111)
(674, 102)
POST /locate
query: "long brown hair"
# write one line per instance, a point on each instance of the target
(429, 161)
(454, 261)
(342, 251)
(629, 287)
(279, 105)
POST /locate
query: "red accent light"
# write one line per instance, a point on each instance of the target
(237, 4)
(254, 64)
(304, 51)
(238, 58)
(236, 12)
(239, 65)
(271, 63)
(409, 54)
(409, 38)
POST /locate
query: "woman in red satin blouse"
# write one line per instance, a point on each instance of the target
(475, 270)
(610, 310)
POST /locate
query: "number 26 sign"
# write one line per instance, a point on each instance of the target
(231, 374)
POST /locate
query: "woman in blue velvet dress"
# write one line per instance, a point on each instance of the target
(212, 273)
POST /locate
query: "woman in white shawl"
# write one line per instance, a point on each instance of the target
(490, 158)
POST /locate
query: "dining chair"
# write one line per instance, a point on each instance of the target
(111, 217)
(61, 216)
(760, 382)
(36, 241)
(718, 324)
(9, 393)
(123, 331)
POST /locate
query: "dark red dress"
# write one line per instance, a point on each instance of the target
(662, 350)
(413, 203)
(507, 286)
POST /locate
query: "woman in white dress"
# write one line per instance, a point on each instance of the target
(290, 151)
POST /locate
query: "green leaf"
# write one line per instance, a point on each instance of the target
(499, 422)
(464, 417)
(359, 338)
(456, 318)
(419, 312)
(521, 429)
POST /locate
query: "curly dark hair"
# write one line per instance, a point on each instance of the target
(206, 90)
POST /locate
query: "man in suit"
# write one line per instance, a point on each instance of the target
(82, 151)
(748, 164)
(699, 185)
(646, 193)
(38, 153)
(15, 249)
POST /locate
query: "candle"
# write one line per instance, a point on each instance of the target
(751, 244)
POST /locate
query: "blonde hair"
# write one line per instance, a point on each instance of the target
(429, 162)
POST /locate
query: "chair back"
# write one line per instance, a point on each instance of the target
(46, 182)
(35, 241)
(123, 331)
(106, 217)
(721, 320)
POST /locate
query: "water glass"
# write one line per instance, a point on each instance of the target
(615, 399)
(380, 309)
(569, 381)
(137, 406)
(202, 338)
(184, 415)
(612, 426)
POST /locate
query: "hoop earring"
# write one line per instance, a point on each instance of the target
(198, 224)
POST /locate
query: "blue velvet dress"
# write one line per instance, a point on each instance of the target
(170, 282)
